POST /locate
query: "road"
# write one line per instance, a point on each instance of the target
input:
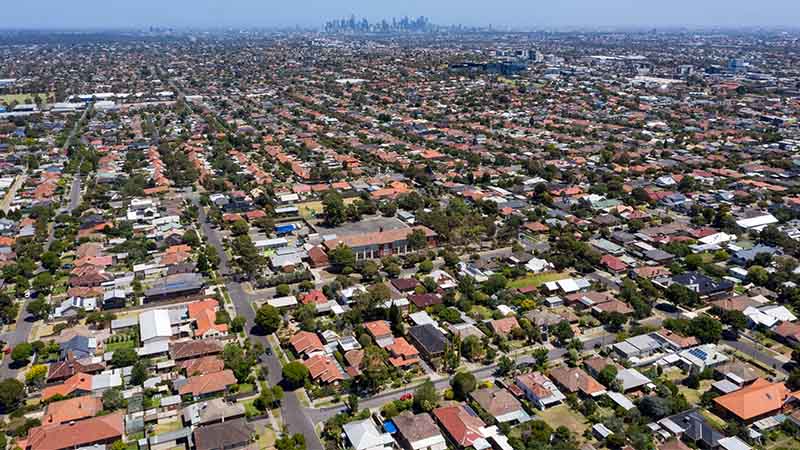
(293, 412)
(750, 349)
(12, 192)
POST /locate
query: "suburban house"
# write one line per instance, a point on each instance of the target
(429, 340)
(753, 402)
(206, 385)
(575, 380)
(418, 432)
(463, 426)
(364, 435)
(231, 434)
(539, 390)
(500, 404)
(381, 243)
(102, 430)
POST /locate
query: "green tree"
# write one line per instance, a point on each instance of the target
(334, 209)
(295, 374)
(463, 383)
(417, 240)
(12, 392)
(268, 319)
(51, 261)
(342, 256)
(139, 372)
(22, 353)
(39, 308)
(113, 400)
(36, 375)
(124, 357)
(425, 397)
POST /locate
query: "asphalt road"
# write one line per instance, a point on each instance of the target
(294, 414)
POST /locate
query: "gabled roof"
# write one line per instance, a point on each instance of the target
(71, 409)
(463, 426)
(77, 434)
(228, 434)
(363, 434)
(208, 383)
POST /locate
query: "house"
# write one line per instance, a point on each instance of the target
(71, 410)
(403, 353)
(155, 326)
(463, 426)
(82, 384)
(323, 368)
(756, 401)
(418, 432)
(405, 284)
(201, 365)
(102, 430)
(539, 390)
(364, 435)
(701, 357)
(691, 426)
(60, 371)
(631, 379)
(206, 385)
(429, 340)
(212, 411)
(204, 315)
(171, 286)
(79, 347)
(380, 332)
(306, 343)
(500, 404)
(228, 435)
(422, 301)
(185, 350)
(702, 285)
(575, 380)
(503, 327)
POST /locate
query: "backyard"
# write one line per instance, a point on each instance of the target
(538, 279)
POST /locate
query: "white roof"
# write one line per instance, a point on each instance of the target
(568, 285)
(153, 324)
(760, 318)
(757, 222)
(733, 443)
(717, 238)
(282, 302)
(779, 312)
(363, 435)
(620, 400)
(421, 318)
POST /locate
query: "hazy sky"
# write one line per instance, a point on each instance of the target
(522, 13)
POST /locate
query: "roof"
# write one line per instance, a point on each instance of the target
(761, 397)
(462, 424)
(154, 323)
(575, 379)
(429, 337)
(306, 342)
(204, 313)
(377, 238)
(496, 401)
(204, 364)
(378, 328)
(228, 434)
(416, 427)
(193, 349)
(76, 434)
(363, 434)
(208, 383)
(78, 382)
(322, 367)
(72, 409)
(504, 326)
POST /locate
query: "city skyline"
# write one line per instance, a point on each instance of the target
(93, 14)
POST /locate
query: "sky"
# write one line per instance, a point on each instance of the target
(514, 13)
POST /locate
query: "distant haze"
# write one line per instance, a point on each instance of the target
(500, 13)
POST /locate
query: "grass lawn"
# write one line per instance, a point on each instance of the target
(713, 419)
(564, 415)
(167, 427)
(266, 437)
(537, 280)
(249, 409)
(693, 395)
(114, 346)
(21, 98)
(481, 311)
(310, 209)
(246, 388)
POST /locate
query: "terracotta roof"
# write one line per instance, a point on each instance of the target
(759, 398)
(103, 429)
(306, 342)
(71, 409)
(316, 297)
(80, 382)
(202, 365)
(377, 238)
(208, 383)
(496, 401)
(193, 349)
(575, 379)
(504, 326)
(204, 313)
(378, 328)
(463, 427)
(322, 368)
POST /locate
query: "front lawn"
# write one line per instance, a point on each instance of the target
(538, 279)
(564, 415)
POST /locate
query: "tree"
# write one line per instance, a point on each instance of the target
(562, 332)
(12, 392)
(113, 400)
(334, 209)
(417, 240)
(352, 403)
(22, 353)
(654, 407)
(39, 308)
(608, 375)
(35, 375)
(472, 348)
(758, 275)
(541, 357)
(495, 283)
(463, 383)
(505, 365)
(295, 373)
(50, 261)
(240, 228)
(681, 295)
(237, 324)
(293, 442)
(238, 361)
(139, 373)
(706, 329)
(124, 357)
(425, 397)
(342, 256)
(43, 283)
(268, 319)
(118, 445)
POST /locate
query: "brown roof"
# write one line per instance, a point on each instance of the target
(504, 326)
(204, 364)
(208, 383)
(575, 379)
(424, 300)
(64, 369)
(228, 434)
(194, 349)
(322, 368)
(737, 303)
(377, 238)
(416, 427)
(103, 429)
(757, 399)
(673, 444)
(496, 401)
